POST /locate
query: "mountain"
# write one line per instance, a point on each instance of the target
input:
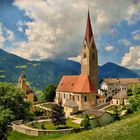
(41, 73)
(137, 71)
(111, 70)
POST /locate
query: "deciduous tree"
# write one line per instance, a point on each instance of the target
(50, 93)
(12, 106)
(5, 122)
(13, 98)
(134, 99)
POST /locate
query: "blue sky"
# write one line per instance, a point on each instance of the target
(44, 29)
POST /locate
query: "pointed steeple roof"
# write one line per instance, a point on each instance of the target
(23, 75)
(89, 33)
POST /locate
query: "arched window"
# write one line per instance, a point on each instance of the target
(73, 98)
(85, 98)
(85, 55)
(85, 45)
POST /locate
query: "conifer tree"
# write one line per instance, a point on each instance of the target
(58, 115)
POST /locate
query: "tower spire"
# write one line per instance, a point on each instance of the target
(89, 55)
(89, 33)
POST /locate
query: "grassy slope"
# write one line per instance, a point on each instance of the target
(128, 128)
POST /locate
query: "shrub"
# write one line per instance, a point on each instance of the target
(38, 113)
(86, 123)
(106, 119)
(94, 123)
(43, 125)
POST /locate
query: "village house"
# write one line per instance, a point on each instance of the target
(81, 90)
(120, 98)
(71, 107)
(117, 88)
(100, 99)
(111, 86)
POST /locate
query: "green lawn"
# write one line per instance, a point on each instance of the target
(110, 108)
(2, 76)
(51, 126)
(82, 116)
(72, 124)
(21, 67)
(126, 129)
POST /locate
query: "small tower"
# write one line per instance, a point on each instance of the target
(22, 81)
(89, 55)
(29, 93)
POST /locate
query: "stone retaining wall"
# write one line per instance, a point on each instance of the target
(38, 132)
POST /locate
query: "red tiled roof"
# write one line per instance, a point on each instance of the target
(122, 80)
(77, 84)
(89, 33)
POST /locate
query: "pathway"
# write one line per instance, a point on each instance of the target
(76, 120)
(42, 107)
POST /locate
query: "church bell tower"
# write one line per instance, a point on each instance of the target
(89, 55)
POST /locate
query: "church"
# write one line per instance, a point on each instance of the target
(79, 92)
(29, 93)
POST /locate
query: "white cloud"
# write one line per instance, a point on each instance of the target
(77, 58)
(126, 42)
(10, 35)
(136, 32)
(132, 58)
(134, 19)
(58, 26)
(20, 25)
(134, 12)
(2, 39)
(109, 48)
(137, 37)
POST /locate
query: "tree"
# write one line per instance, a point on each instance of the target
(50, 93)
(5, 119)
(13, 98)
(86, 123)
(43, 125)
(58, 115)
(39, 95)
(116, 112)
(134, 99)
(12, 107)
